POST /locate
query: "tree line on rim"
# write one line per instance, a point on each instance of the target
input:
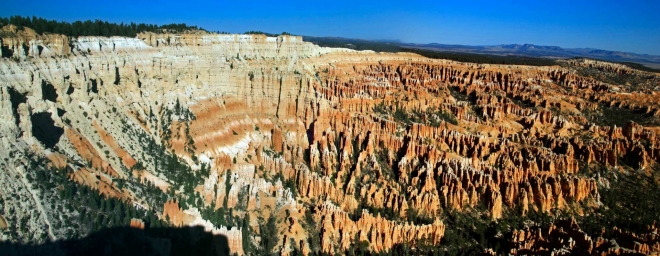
(92, 28)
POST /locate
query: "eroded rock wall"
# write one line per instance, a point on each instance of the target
(387, 142)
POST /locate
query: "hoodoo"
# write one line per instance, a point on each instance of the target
(282, 146)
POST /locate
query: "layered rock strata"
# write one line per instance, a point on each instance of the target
(280, 123)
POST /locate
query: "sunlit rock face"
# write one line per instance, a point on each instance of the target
(341, 148)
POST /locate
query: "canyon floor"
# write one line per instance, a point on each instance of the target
(279, 146)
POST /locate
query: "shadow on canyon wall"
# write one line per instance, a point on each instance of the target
(129, 241)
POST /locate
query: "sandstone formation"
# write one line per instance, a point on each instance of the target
(566, 238)
(380, 233)
(137, 223)
(376, 147)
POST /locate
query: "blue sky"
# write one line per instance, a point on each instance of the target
(632, 26)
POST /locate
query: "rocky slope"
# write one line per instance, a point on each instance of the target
(330, 150)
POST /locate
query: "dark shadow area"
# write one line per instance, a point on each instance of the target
(137, 74)
(70, 90)
(6, 52)
(117, 77)
(60, 112)
(44, 129)
(94, 88)
(26, 49)
(48, 91)
(130, 241)
(16, 99)
(310, 133)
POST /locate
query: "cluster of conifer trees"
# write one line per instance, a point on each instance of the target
(91, 28)
(85, 210)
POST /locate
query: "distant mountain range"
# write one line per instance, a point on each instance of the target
(521, 50)
(554, 52)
